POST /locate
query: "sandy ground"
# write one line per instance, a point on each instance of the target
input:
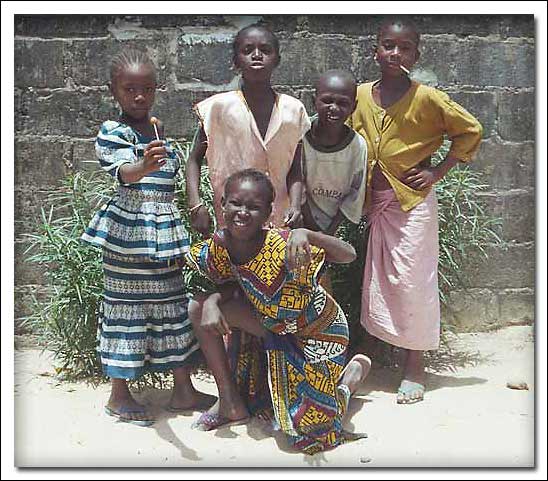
(468, 419)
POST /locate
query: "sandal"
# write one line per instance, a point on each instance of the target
(122, 416)
(410, 392)
(210, 421)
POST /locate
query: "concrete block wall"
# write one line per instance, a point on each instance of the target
(485, 62)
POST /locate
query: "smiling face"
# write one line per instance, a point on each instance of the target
(397, 45)
(256, 54)
(134, 87)
(246, 208)
(335, 98)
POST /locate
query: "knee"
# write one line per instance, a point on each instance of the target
(195, 313)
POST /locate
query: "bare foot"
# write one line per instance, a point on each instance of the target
(190, 401)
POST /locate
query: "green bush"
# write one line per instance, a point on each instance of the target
(67, 321)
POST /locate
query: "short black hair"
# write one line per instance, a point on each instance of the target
(253, 175)
(126, 58)
(344, 74)
(401, 21)
(275, 41)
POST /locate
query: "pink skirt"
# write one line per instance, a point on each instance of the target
(400, 300)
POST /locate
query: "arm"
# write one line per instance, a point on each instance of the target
(293, 217)
(213, 318)
(464, 131)
(424, 177)
(155, 156)
(199, 217)
(298, 248)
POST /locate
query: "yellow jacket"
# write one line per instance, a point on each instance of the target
(409, 131)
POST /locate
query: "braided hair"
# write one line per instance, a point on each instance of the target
(127, 58)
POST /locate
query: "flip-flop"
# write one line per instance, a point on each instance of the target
(123, 412)
(406, 389)
(210, 421)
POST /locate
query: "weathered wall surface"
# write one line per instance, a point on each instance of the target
(487, 63)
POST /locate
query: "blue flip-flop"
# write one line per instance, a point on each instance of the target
(406, 389)
(122, 413)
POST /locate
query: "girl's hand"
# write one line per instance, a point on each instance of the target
(213, 319)
(155, 156)
(420, 178)
(200, 221)
(293, 217)
(298, 252)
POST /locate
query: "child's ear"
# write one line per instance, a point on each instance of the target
(417, 55)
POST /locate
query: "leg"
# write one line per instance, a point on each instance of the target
(123, 405)
(184, 396)
(240, 314)
(412, 387)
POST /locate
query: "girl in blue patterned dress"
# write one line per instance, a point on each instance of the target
(305, 332)
(144, 324)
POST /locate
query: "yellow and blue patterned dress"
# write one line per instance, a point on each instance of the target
(306, 342)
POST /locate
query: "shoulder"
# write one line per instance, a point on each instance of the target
(431, 94)
(288, 102)
(223, 98)
(364, 89)
(116, 132)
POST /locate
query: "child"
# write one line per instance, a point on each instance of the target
(305, 332)
(252, 127)
(334, 157)
(404, 122)
(144, 324)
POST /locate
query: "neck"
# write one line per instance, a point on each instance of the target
(401, 82)
(139, 124)
(241, 251)
(328, 135)
(256, 89)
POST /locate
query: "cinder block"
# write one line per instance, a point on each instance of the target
(479, 62)
(38, 63)
(506, 165)
(481, 105)
(519, 217)
(513, 267)
(62, 25)
(83, 156)
(163, 21)
(205, 58)
(64, 112)
(517, 306)
(516, 115)
(28, 204)
(88, 61)
(174, 108)
(517, 26)
(304, 59)
(472, 309)
(27, 272)
(41, 164)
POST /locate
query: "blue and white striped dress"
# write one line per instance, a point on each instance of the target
(144, 323)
